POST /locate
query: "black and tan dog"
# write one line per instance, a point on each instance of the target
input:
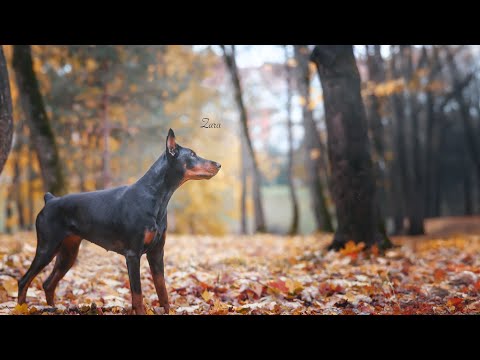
(130, 220)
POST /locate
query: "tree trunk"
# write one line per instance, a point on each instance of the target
(376, 75)
(6, 117)
(313, 162)
(243, 195)
(17, 190)
(353, 184)
(431, 130)
(9, 211)
(106, 137)
(229, 57)
(398, 172)
(467, 190)
(31, 190)
(40, 130)
(291, 186)
(415, 195)
(437, 141)
(429, 152)
(468, 128)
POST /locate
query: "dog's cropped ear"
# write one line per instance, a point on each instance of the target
(171, 146)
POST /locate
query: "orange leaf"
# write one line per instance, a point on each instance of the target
(454, 301)
(279, 285)
(439, 274)
(352, 249)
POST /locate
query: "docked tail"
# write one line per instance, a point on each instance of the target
(47, 197)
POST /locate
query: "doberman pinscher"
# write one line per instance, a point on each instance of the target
(130, 220)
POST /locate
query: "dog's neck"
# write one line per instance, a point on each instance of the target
(159, 183)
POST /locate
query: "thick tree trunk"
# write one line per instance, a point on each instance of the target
(313, 162)
(291, 186)
(6, 117)
(353, 184)
(259, 217)
(40, 130)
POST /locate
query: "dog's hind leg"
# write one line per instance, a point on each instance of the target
(65, 259)
(47, 247)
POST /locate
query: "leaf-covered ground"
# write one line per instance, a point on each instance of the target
(261, 275)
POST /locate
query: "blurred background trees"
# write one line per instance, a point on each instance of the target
(89, 117)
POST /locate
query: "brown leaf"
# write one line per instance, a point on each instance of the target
(10, 285)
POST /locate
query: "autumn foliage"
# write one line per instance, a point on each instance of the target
(261, 275)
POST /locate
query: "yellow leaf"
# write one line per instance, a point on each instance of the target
(219, 308)
(20, 309)
(207, 296)
(293, 286)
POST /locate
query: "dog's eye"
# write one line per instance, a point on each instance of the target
(192, 154)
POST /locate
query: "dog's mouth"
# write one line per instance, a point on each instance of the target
(204, 172)
(210, 170)
(207, 175)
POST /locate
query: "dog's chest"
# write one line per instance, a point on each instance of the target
(153, 234)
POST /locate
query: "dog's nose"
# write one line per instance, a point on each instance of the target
(218, 165)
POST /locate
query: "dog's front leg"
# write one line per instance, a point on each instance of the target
(133, 265)
(155, 260)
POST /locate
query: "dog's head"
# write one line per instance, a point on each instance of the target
(187, 163)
